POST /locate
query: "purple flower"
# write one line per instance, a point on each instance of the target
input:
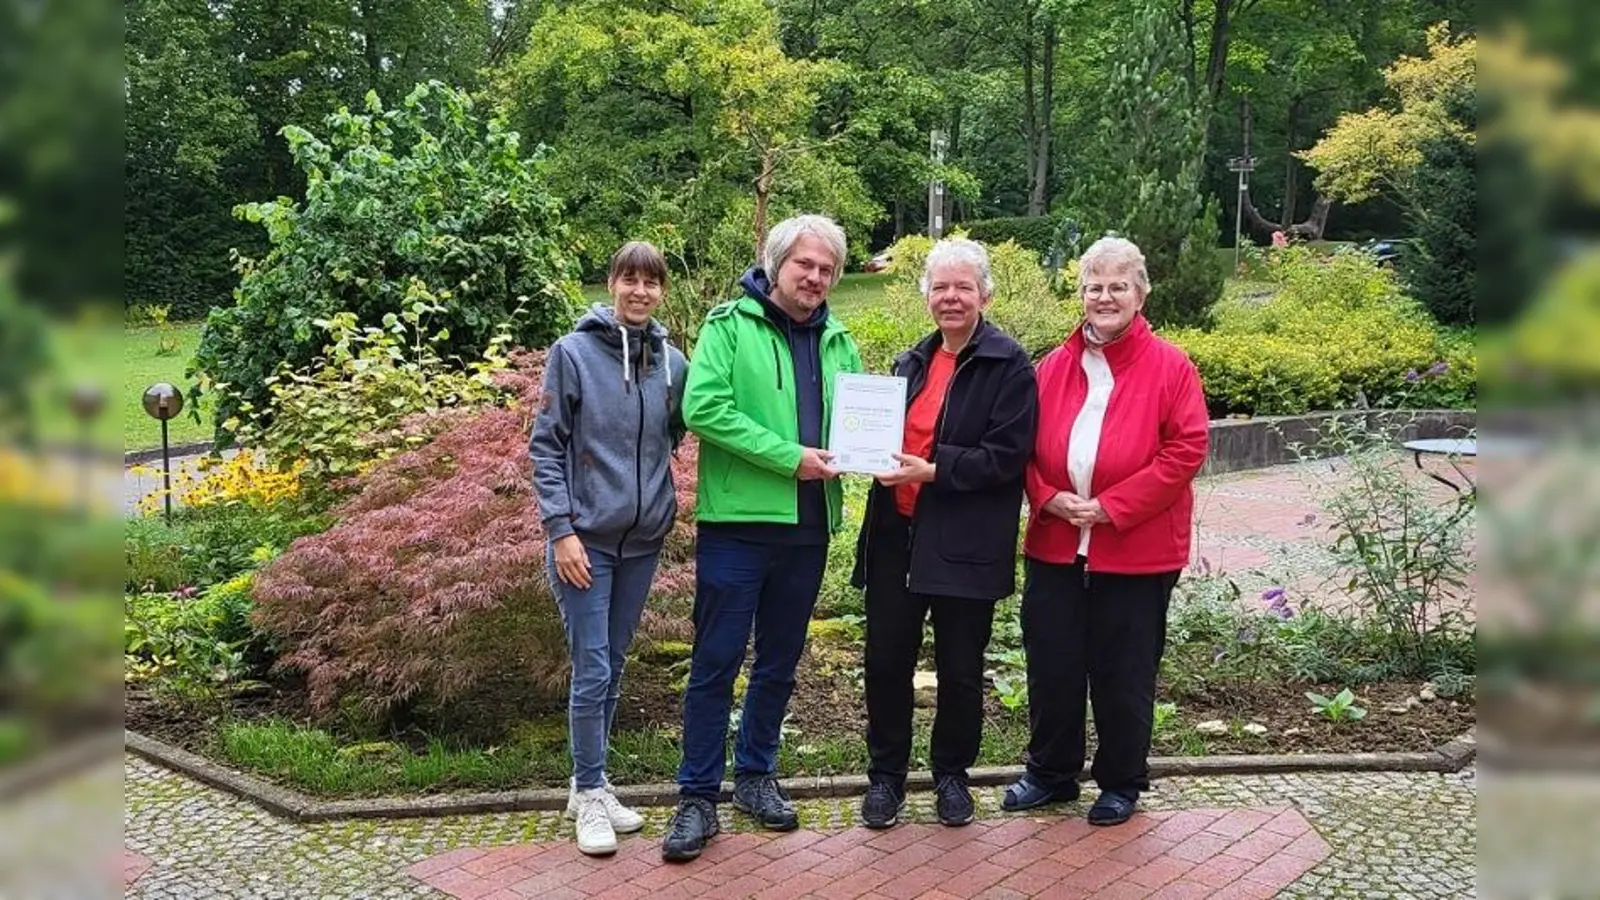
(1281, 610)
(1273, 595)
(1437, 369)
(1310, 519)
(1411, 375)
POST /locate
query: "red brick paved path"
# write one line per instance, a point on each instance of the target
(1220, 853)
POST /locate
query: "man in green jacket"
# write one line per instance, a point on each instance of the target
(759, 396)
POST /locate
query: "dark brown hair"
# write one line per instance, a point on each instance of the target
(639, 258)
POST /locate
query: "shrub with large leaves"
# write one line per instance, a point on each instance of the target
(433, 580)
(427, 194)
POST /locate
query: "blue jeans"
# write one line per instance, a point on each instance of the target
(599, 623)
(740, 584)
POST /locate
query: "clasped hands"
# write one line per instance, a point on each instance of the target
(1076, 510)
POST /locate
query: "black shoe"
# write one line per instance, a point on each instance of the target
(1027, 793)
(1113, 807)
(880, 808)
(955, 801)
(693, 824)
(762, 797)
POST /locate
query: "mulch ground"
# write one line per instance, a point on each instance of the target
(827, 704)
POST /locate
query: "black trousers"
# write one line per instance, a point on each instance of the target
(1100, 635)
(895, 616)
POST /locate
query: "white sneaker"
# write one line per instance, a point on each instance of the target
(595, 834)
(623, 819)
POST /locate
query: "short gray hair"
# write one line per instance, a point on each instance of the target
(781, 240)
(959, 250)
(1115, 254)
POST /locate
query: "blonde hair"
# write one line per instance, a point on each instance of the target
(782, 238)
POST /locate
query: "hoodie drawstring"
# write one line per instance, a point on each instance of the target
(627, 373)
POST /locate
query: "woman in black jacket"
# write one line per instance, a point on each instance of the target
(940, 534)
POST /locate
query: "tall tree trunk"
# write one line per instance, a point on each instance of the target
(899, 218)
(763, 191)
(1039, 196)
(952, 151)
(1291, 186)
(1030, 108)
(1217, 55)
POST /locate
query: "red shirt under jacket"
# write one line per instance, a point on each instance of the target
(1152, 445)
(921, 420)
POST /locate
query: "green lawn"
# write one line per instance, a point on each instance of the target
(142, 366)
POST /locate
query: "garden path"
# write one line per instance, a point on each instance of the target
(1323, 835)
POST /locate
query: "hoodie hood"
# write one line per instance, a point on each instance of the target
(758, 286)
(634, 345)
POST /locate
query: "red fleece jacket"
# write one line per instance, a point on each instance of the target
(1152, 445)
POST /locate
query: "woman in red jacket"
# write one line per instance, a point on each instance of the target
(1122, 433)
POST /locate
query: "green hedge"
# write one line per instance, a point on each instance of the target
(1036, 233)
(1337, 329)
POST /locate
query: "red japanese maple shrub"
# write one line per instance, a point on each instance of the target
(432, 585)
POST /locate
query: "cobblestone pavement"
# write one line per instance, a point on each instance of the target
(1388, 835)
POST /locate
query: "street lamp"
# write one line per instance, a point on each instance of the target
(1244, 165)
(163, 401)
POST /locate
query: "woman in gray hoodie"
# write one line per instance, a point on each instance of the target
(602, 445)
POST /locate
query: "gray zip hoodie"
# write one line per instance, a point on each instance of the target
(610, 419)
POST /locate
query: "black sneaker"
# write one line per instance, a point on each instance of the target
(880, 808)
(762, 797)
(955, 801)
(693, 824)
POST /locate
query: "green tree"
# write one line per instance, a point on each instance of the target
(1421, 151)
(425, 202)
(209, 88)
(688, 125)
(1153, 138)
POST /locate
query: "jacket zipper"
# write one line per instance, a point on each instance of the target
(638, 475)
(777, 365)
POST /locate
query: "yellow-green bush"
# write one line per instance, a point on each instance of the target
(1023, 304)
(1338, 327)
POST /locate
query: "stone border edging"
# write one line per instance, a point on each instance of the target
(287, 803)
(137, 457)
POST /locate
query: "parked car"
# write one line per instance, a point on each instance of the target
(1388, 251)
(879, 263)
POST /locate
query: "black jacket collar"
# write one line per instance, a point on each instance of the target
(987, 342)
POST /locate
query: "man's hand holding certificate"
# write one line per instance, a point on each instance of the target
(869, 416)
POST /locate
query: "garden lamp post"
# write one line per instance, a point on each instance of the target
(1244, 165)
(163, 402)
(86, 402)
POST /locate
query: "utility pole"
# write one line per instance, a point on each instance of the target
(937, 141)
(1244, 165)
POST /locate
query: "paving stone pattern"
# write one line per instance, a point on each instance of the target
(1386, 835)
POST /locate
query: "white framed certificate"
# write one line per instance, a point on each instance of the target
(869, 420)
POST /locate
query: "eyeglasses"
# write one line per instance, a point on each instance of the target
(1119, 290)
